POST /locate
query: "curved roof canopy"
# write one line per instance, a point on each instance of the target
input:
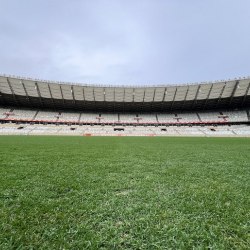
(15, 91)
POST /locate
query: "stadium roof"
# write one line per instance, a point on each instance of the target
(26, 92)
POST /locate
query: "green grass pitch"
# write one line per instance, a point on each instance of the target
(124, 193)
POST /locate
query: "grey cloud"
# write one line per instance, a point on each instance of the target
(119, 42)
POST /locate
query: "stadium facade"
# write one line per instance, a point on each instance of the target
(121, 110)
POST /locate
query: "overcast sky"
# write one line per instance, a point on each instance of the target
(125, 41)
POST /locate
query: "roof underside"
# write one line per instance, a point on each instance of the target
(41, 94)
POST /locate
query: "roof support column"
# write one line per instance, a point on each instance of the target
(184, 101)
(26, 93)
(234, 90)
(84, 101)
(94, 98)
(209, 92)
(62, 95)
(164, 95)
(123, 103)
(13, 94)
(196, 95)
(152, 103)
(245, 96)
(114, 101)
(143, 99)
(51, 97)
(73, 95)
(39, 94)
(222, 90)
(174, 98)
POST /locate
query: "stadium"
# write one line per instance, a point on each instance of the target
(30, 106)
(98, 167)
(111, 167)
(124, 125)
